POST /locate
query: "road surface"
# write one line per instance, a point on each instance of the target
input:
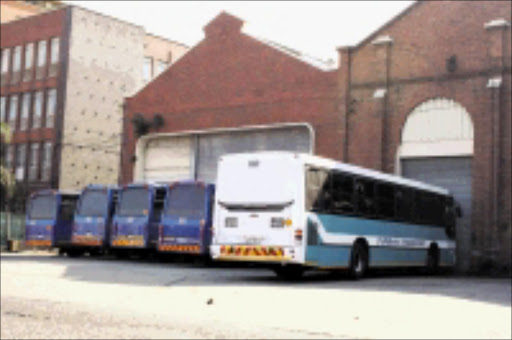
(47, 296)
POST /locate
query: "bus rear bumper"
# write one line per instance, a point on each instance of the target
(252, 253)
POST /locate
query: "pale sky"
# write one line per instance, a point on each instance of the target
(316, 28)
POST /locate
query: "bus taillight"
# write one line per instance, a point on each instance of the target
(298, 234)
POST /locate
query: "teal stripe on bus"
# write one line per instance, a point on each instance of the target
(334, 224)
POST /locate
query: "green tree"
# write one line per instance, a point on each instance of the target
(6, 177)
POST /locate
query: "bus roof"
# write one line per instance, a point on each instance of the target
(146, 184)
(332, 164)
(100, 186)
(55, 192)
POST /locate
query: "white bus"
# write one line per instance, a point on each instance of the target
(298, 211)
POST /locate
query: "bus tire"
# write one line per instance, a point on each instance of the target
(432, 265)
(358, 261)
(74, 252)
(95, 252)
(289, 273)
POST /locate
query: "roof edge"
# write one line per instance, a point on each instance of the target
(390, 22)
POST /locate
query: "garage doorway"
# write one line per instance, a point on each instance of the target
(437, 148)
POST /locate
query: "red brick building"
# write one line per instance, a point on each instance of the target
(426, 96)
(64, 74)
(228, 81)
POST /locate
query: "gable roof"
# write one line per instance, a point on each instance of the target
(397, 17)
(227, 23)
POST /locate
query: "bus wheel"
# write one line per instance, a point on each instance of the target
(95, 252)
(289, 273)
(358, 261)
(432, 260)
(74, 252)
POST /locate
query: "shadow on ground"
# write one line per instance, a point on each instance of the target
(179, 271)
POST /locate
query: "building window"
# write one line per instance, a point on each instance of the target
(34, 161)
(41, 59)
(38, 110)
(8, 156)
(25, 111)
(162, 65)
(54, 57)
(16, 65)
(13, 112)
(147, 72)
(29, 62)
(6, 55)
(3, 108)
(51, 105)
(55, 50)
(21, 156)
(46, 163)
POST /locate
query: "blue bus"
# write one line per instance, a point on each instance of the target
(49, 219)
(93, 218)
(136, 219)
(186, 221)
(297, 211)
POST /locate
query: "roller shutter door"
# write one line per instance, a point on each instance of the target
(168, 159)
(454, 174)
(212, 146)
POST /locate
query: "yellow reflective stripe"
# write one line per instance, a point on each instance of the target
(180, 247)
(38, 243)
(252, 251)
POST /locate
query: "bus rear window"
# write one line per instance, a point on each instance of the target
(134, 202)
(93, 203)
(43, 207)
(186, 201)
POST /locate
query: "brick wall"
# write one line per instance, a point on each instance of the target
(413, 70)
(230, 80)
(19, 33)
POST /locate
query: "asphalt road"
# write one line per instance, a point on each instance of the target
(47, 296)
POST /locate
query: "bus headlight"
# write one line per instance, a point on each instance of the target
(231, 222)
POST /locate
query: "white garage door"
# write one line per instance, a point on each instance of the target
(212, 146)
(195, 155)
(168, 159)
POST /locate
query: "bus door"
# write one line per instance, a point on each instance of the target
(187, 218)
(93, 216)
(66, 205)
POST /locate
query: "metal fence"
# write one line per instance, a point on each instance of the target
(12, 227)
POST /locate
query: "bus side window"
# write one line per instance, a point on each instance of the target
(386, 201)
(365, 197)
(67, 209)
(317, 190)
(158, 201)
(342, 193)
(212, 201)
(115, 197)
(404, 204)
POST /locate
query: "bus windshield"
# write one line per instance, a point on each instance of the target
(186, 201)
(43, 207)
(93, 203)
(134, 202)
